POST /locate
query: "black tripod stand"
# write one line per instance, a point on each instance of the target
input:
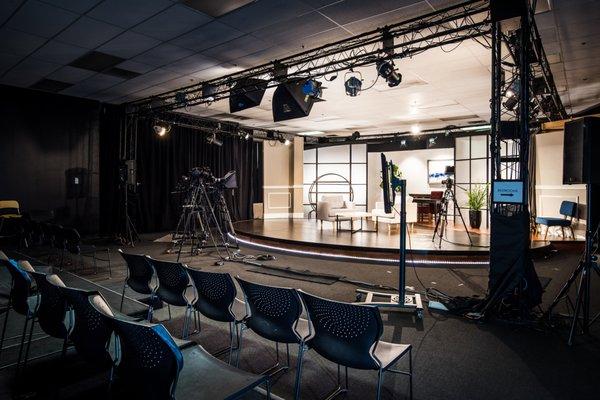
(129, 235)
(581, 315)
(441, 218)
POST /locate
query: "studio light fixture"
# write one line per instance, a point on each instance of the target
(415, 129)
(403, 143)
(432, 141)
(287, 142)
(312, 89)
(214, 140)
(353, 83)
(161, 128)
(387, 71)
(355, 135)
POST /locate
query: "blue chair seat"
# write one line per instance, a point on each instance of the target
(552, 221)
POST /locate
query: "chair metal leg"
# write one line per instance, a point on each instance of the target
(379, 383)
(21, 346)
(28, 343)
(95, 263)
(4, 328)
(108, 259)
(122, 297)
(572, 232)
(301, 349)
(410, 371)
(237, 359)
(169, 309)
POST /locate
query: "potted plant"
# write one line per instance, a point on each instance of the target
(476, 197)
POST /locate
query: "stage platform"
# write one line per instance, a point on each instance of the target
(306, 235)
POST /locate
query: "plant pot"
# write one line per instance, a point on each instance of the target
(475, 218)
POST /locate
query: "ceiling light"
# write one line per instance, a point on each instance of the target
(353, 84)
(475, 128)
(403, 143)
(311, 133)
(387, 71)
(214, 140)
(415, 129)
(161, 128)
(432, 141)
(287, 142)
(247, 136)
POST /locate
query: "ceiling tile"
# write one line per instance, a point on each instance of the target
(172, 22)
(28, 72)
(209, 35)
(60, 53)
(395, 16)
(99, 82)
(70, 74)
(135, 66)
(41, 19)
(128, 13)
(78, 6)
(355, 10)
(7, 8)
(7, 61)
(304, 26)
(18, 43)
(129, 44)
(263, 13)
(237, 48)
(88, 33)
(164, 54)
(192, 63)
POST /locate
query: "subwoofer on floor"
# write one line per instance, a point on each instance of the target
(581, 154)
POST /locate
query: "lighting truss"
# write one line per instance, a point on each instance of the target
(447, 27)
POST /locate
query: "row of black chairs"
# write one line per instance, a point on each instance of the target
(344, 333)
(147, 362)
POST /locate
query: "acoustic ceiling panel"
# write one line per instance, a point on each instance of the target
(18, 43)
(216, 8)
(70, 74)
(128, 13)
(163, 54)
(78, 6)
(209, 35)
(96, 61)
(264, 13)
(129, 44)
(41, 19)
(172, 22)
(58, 52)
(89, 33)
(50, 85)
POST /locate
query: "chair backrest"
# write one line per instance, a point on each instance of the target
(72, 240)
(52, 308)
(9, 209)
(90, 330)
(216, 294)
(273, 311)
(437, 194)
(172, 281)
(20, 288)
(58, 236)
(344, 333)
(568, 209)
(149, 361)
(139, 272)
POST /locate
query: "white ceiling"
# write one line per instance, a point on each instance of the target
(171, 45)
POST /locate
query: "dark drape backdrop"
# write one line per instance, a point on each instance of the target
(161, 161)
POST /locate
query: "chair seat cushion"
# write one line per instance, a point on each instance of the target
(389, 353)
(552, 221)
(205, 377)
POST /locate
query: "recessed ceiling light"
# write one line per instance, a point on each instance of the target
(415, 129)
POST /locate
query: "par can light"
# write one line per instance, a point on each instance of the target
(387, 71)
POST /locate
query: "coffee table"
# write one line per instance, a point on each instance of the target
(352, 216)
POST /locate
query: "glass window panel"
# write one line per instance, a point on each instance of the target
(305, 194)
(462, 147)
(359, 153)
(340, 169)
(333, 188)
(359, 173)
(461, 198)
(360, 194)
(461, 171)
(478, 146)
(310, 173)
(334, 154)
(310, 156)
(478, 171)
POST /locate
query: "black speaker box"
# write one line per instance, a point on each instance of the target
(505, 9)
(77, 183)
(290, 102)
(246, 94)
(581, 144)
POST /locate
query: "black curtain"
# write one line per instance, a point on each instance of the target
(161, 161)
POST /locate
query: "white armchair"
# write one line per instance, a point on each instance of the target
(393, 218)
(330, 205)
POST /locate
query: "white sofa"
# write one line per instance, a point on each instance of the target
(329, 205)
(393, 218)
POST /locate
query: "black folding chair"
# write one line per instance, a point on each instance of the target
(139, 275)
(150, 365)
(274, 314)
(173, 283)
(216, 300)
(348, 335)
(21, 300)
(74, 246)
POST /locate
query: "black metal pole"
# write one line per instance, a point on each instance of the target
(402, 272)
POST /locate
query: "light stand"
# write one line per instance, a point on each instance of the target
(588, 263)
(129, 235)
(441, 219)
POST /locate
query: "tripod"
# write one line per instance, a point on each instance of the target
(130, 235)
(587, 264)
(441, 219)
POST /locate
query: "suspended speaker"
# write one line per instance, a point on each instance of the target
(581, 144)
(290, 101)
(246, 93)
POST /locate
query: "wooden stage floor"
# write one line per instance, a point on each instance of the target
(286, 233)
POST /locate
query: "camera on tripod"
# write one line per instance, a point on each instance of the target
(449, 182)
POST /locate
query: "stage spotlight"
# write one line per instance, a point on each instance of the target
(312, 89)
(161, 128)
(355, 135)
(248, 135)
(403, 143)
(432, 141)
(214, 140)
(387, 71)
(287, 142)
(511, 102)
(208, 92)
(415, 129)
(353, 84)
